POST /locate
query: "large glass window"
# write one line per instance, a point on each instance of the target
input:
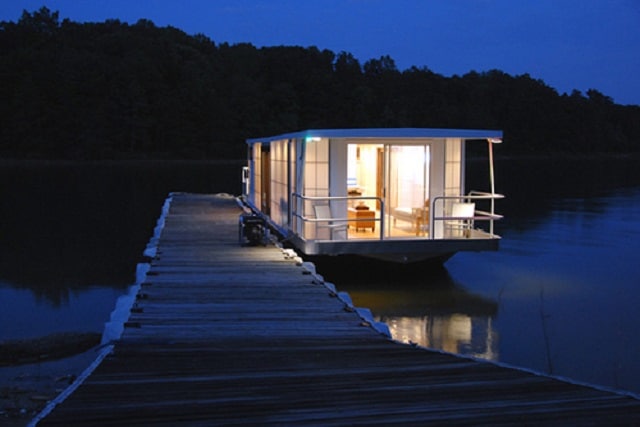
(408, 190)
(397, 174)
(279, 182)
(409, 177)
(257, 174)
(316, 173)
(316, 179)
(364, 173)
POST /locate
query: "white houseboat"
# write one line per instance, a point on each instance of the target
(394, 194)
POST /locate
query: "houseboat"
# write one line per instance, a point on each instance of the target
(392, 194)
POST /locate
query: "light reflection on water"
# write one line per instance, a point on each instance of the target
(429, 310)
(455, 333)
(561, 296)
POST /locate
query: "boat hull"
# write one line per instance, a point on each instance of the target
(397, 251)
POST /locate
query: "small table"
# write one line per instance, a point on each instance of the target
(365, 218)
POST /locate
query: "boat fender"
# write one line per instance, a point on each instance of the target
(331, 287)
(383, 328)
(365, 314)
(309, 267)
(345, 298)
(289, 253)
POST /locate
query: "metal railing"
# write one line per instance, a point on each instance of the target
(298, 212)
(443, 204)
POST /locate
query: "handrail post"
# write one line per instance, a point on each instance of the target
(493, 189)
(382, 211)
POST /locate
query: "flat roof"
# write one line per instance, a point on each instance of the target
(385, 133)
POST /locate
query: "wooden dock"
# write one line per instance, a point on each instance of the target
(224, 334)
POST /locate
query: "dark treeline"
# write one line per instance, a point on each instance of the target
(113, 90)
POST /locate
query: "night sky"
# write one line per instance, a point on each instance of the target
(569, 44)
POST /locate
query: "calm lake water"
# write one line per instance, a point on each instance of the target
(561, 295)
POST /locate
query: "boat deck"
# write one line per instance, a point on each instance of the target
(224, 334)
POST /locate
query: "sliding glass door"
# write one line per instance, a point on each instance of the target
(407, 185)
(398, 174)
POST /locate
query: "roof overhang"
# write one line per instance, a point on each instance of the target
(373, 133)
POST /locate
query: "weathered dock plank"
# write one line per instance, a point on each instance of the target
(226, 335)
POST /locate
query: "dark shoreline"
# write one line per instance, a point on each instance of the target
(150, 162)
(178, 161)
(29, 379)
(46, 348)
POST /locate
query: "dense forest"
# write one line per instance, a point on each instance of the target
(114, 90)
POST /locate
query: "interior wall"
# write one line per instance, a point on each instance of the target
(437, 183)
(368, 173)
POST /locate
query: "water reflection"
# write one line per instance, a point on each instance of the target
(568, 289)
(429, 309)
(25, 315)
(454, 333)
(559, 297)
(566, 273)
(68, 226)
(71, 235)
